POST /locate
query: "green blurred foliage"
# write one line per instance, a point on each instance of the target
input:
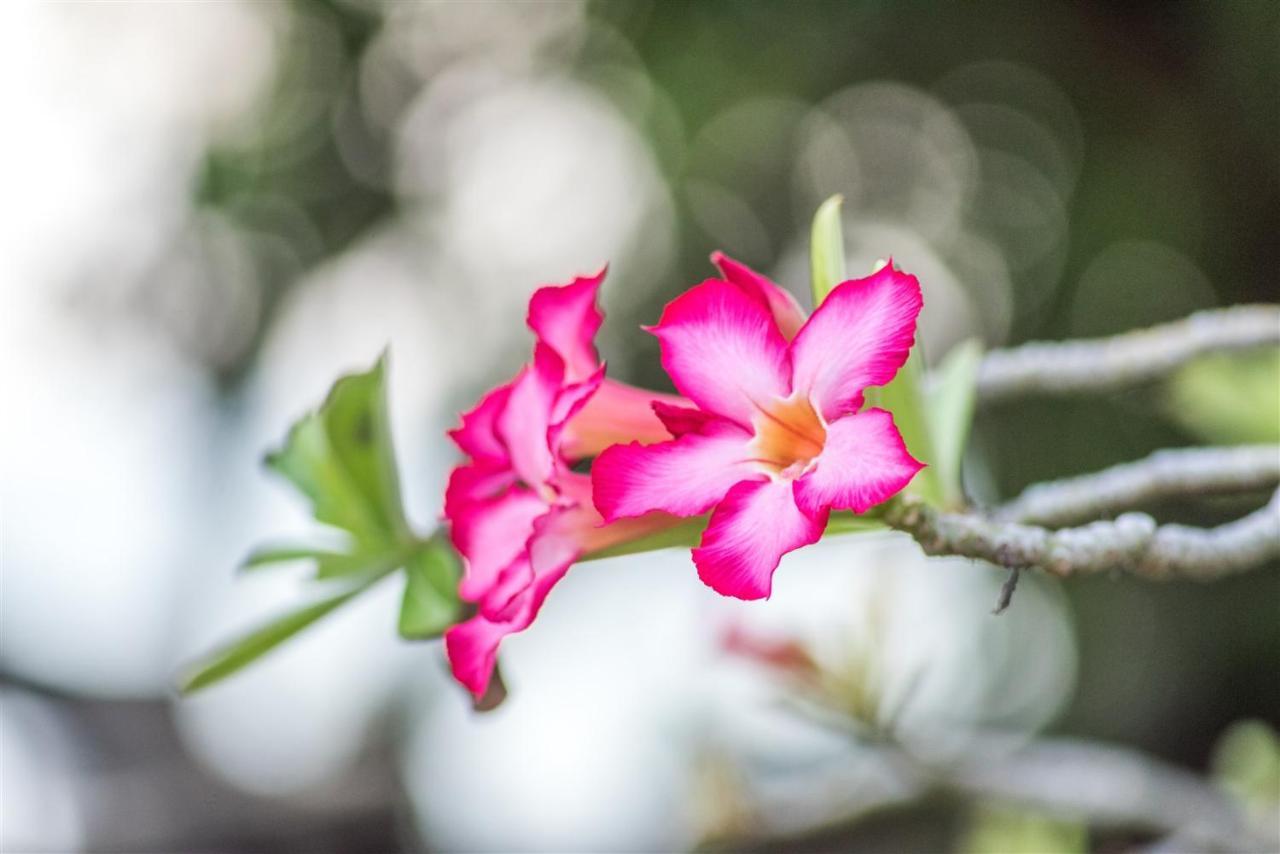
(1010, 830)
(1247, 764)
(1229, 398)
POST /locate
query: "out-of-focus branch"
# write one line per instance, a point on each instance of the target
(1102, 785)
(1101, 364)
(1174, 472)
(1112, 787)
(1130, 543)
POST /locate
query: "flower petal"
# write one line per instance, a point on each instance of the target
(778, 301)
(469, 484)
(478, 435)
(472, 646)
(684, 477)
(565, 318)
(616, 413)
(858, 337)
(490, 535)
(751, 529)
(524, 422)
(679, 420)
(559, 538)
(722, 350)
(863, 463)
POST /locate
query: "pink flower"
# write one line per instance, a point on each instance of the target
(778, 437)
(518, 514)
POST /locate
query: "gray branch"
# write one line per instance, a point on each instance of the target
(1180, 471)
(1102, 364)
(1130, 543)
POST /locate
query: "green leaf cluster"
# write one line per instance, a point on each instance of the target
(341, 458)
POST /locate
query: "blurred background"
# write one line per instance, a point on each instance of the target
(214, 209)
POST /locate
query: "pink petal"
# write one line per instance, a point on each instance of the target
(469, 484)
(858, 337)
(472, 646)
(684, 477)
(478, 435)
(616, 413)
(863, 462)
(502, 601)
(778, 301)
(490, 535)
(679, 420)
(559, 538)
(566, 319)
(563, 443)
(751, 529)
(723, 351)
(524, 422)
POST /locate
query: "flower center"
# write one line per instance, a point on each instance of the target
(789, 435)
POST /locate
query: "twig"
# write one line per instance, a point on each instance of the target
(1131, 543)
(1181, 471)
(1006, 592)
(1101, 364)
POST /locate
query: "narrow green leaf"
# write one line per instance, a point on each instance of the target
(904, 397)
(271, 555)
(430, 603)
(949, 395)
(826, 249)
(228, 659)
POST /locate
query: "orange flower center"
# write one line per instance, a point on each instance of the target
(790, 434)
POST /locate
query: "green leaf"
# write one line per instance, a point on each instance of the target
(949, 401)
(1229, 398)
(341, 458)
(230, 658)
(826, 250)
(430, 604)
(904, 397)
(271, 555)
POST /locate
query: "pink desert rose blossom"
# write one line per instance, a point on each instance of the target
(518, 514)
(778, 436)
